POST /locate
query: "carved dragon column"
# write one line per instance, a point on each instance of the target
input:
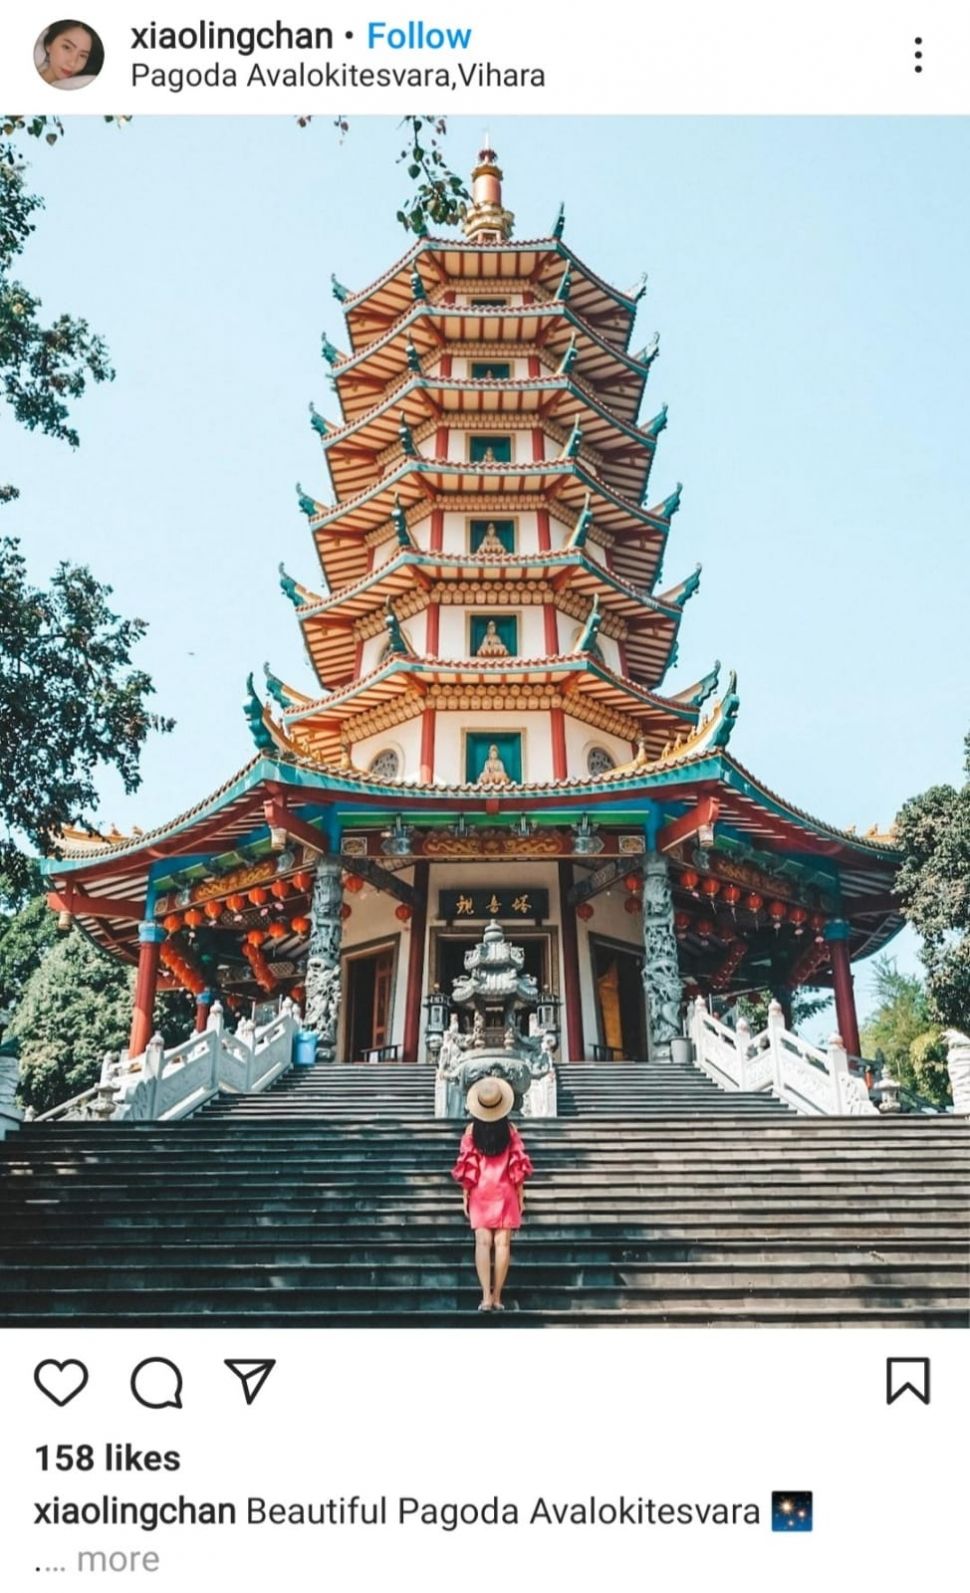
(662, 983)
(322, 981)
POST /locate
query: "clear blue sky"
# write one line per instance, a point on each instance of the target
(808, 279)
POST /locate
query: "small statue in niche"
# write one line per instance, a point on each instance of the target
(491, 644)
(494, 771)
(491, 542)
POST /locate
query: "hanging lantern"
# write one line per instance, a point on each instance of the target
(236, 902)
(194, 917)
(402, 911)
(633, 883)
(818, 922)
(682, 922)
(255, 937)
(353, 883)
(172, 923)
(799, 917)
(776, 912)
(345, 910)
(710, 887)
(584, 911)
(304, 880)
(301, 925)
(634, 904)
(279, 889)
(690, 880)
(731, 895)
(213, 910)
(258, 896)
(705, 927)
(753, 902)
(277, 931)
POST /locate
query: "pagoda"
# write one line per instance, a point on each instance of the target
(488, 738)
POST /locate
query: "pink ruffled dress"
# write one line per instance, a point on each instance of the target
(493, 1181)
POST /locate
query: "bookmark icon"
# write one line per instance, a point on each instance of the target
(252, 1375)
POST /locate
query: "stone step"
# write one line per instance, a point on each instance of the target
(464, 1314)
(924, 1229)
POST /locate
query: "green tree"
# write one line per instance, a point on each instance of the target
(933, 884)
(902, 1033)
(27, 931)
(43, 365)
(69, 703)
(76, 1005)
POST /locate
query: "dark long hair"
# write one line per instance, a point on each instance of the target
(491, 1138)
(95, 60)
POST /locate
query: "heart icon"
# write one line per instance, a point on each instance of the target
(61, 1381)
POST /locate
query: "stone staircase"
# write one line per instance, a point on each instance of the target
(658, 1199)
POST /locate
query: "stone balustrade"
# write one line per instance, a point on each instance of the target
(812, 1081)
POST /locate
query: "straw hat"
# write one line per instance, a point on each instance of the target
(490, 1099)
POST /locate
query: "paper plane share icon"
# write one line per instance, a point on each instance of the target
(252, 1375)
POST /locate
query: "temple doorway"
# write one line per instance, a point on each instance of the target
(620, 1017)
(370, 1001)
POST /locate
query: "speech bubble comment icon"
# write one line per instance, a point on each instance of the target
(157, 1383)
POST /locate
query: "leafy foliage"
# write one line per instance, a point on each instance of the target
(76, 1006)
(73, 1007)
(933, 885)
(901, 1033)
(26, 934)
(805, 1008)
(69, 702)
(440, 194)
(42, 367)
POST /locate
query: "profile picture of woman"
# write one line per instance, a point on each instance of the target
(69, 54)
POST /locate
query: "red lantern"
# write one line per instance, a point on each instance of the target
(303, 881)
(345, 910)
(403, 912)
(753, 902)
(301, 926)
(705, 927)
(776, 912)
(632, 883)
(258, 896)
(682, 922)
(172, 923)
(710, 887)
(799, 917)
(584, 910)
(235, 902)
(277, 931)
(689, 880)
(634, 904)
(255, 937)
(353, 883)
(213, 910)
(731, 894)
(279, 889)
(194, 917)
(818, 922)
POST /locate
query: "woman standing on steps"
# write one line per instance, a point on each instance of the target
(492, 1167)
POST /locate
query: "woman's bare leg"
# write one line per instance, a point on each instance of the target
(483, 1262)
(503, 1257)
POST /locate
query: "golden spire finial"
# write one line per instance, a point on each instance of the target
(485, 220)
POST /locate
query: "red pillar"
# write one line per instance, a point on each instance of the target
(538, 443)
(558, 743)
(437, 530)
(444, 365)
(441, 442)
(415, 982)
(570, 966)
(545, 534)
(427, 745)
(431, 640)
(203, 1002)
(837, 935)
(551, 625)
(150, 937)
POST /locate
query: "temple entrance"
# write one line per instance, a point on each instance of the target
(620, 1017)
(370, 1003)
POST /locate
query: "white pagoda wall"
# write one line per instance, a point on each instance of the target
(580, 738)
(454, 628)
(405, 739)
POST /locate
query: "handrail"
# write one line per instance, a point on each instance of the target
(777, 1061)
